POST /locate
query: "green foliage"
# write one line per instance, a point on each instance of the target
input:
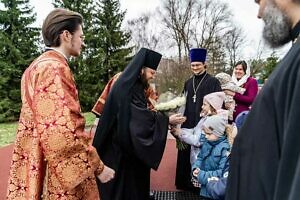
(7, 133)
(112, 40)
(105, 54)
(84, 66)
(89, 119)
(256, 67)
(262, 68)
(269, 66)
(9, 92)
(19, 46)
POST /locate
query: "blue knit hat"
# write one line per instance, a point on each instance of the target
(240, 119)
(198, 55)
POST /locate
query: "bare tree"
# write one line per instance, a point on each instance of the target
(257, 62)
(143, 33)
(216, 56)
(234, 40)
(212, 18)
(192, 23)
(171, 76)
(177, 15)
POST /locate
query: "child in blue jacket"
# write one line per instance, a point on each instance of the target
(214, 152)
(216, 188)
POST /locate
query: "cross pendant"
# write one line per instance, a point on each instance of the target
(194, 98)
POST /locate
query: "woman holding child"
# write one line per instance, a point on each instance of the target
(241, 77)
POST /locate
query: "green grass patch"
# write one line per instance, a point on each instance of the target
(8, 130)
(7, 133)
(89, 119)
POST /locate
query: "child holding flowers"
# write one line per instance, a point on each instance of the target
(212, 104)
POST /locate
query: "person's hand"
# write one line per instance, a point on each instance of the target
(176, 119)
(106, 175)
(229, 92)
(196, 171)
(175, 131)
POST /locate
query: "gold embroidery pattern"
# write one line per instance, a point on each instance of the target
(53, 130)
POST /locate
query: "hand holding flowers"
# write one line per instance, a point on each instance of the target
(175, 120)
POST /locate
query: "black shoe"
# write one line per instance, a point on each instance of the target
(151, 195)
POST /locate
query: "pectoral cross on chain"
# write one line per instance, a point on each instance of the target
(194, 98)
(195, 89)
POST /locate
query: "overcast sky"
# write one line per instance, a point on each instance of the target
(244, 11)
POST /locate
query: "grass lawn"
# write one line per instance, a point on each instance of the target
(8, 130)
(89, 119)
(7, 133)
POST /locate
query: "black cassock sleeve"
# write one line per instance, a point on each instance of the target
(148, 131)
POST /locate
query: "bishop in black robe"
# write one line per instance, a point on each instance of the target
(265, 159)
(131, 138)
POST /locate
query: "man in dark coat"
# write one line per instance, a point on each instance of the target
(265, 159)
(131, 138)
(199, 85)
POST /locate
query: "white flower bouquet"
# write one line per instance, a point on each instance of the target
(175, 105)
(172, 105)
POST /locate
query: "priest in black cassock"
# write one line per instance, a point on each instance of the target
(265, 159)
(131, 138)
(199, 85)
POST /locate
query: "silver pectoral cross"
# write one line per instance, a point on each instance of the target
(194, 98)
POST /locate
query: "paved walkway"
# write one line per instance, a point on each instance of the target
(5, 155)
(163, 179)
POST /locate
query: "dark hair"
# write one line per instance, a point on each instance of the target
(243, 63)
(56, 22)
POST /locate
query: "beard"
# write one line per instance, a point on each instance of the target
(277, 26)
(144, 81)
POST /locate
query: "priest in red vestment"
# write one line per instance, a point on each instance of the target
(53, 157)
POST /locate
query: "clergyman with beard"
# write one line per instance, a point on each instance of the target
(265, 159)
(131, 137)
